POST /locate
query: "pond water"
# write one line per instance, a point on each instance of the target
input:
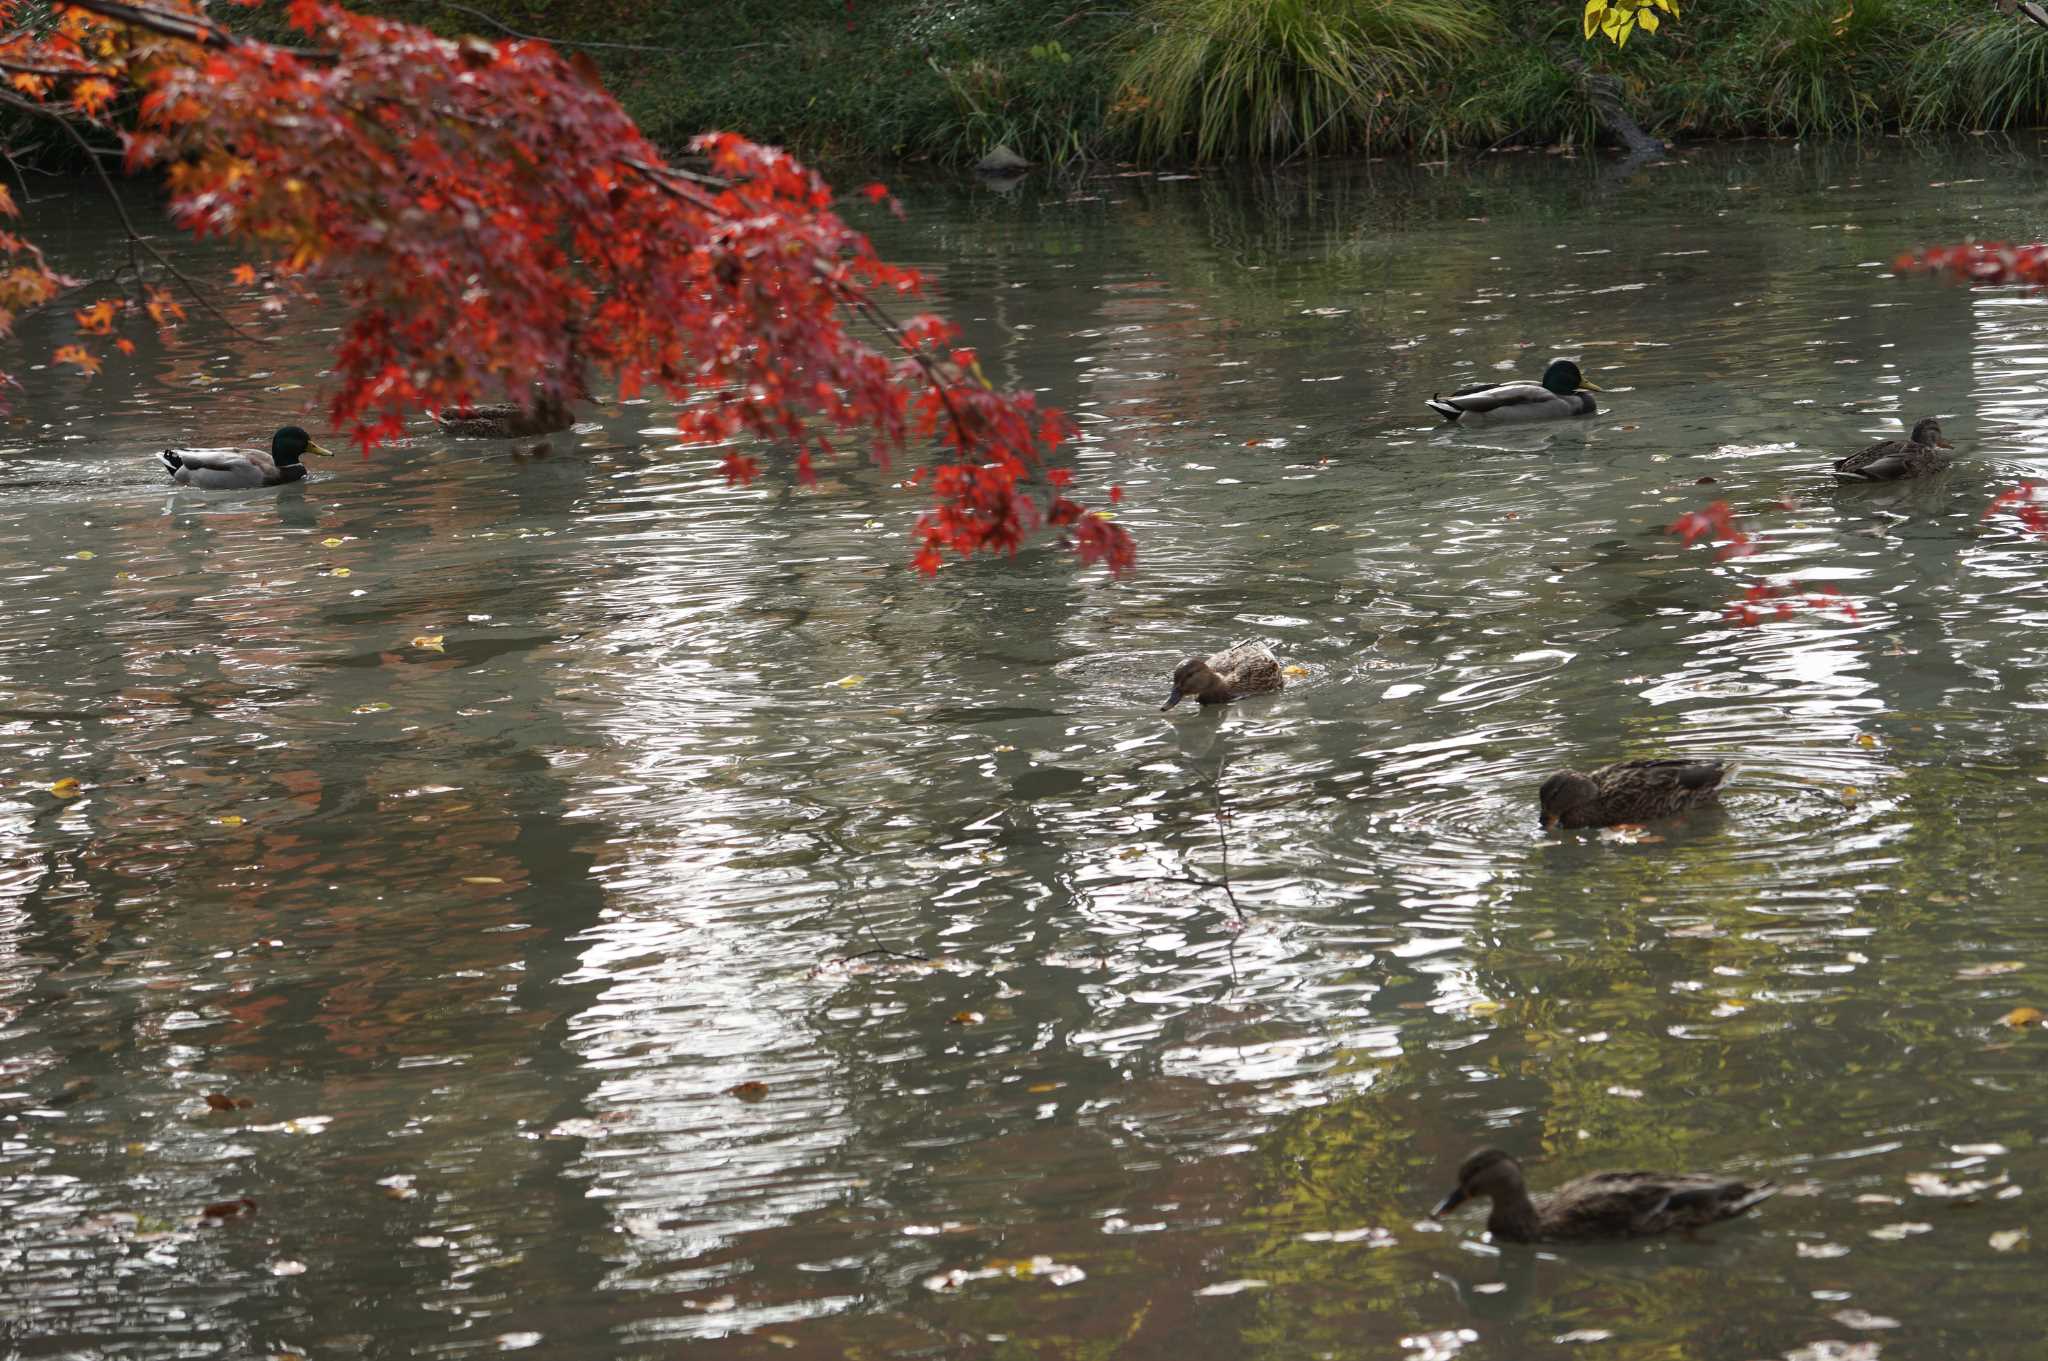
(474, 826)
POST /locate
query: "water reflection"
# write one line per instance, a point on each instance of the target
(637, 910)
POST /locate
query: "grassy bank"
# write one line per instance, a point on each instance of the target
(1211, 79)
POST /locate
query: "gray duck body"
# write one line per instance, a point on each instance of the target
(1562, 392)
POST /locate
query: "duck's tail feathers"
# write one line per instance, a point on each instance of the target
(172, 463)
(1443, 408)
(1754, 1195)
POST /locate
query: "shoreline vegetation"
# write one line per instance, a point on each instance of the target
(1183, 81)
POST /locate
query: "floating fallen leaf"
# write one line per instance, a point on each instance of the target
(749, 1090)
(339, 572)
(85, 555)
(1822, 1250)
(2003, 966)
(398, 1186)
(375, 706)
(231, 819)
(481, 879)
(1863, 1318)
(1892, 1233)
(230, 1209)
(848, 682)
(1029, 1268)
(1486, 1006)
(1849, 794)
(1037, 1088)
(287, 1267)
(330, 543)
(67, 788)
(2006, 1240)
(1236, 1287)
(966, 1018)
(2019, 1018)
(429, 642)
(1934, 1184)
(221, 1101)
(1293, 670)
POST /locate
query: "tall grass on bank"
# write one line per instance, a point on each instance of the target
(1981, 74)
(1270, 78)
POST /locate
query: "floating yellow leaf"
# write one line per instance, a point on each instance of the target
(2003, 966)
(330, 543)
(1486, 1006)
(340, 572)
(85, 555)
(1865, 740)
(1849, 793)
(67, 788)
(375, 706)
(481, 879)
(1292, 670)
(2019, 1018)
(429, 642)
(848, 682)
(1038, 1088)
(231, 820)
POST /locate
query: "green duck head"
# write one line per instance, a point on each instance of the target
(1487, 1173)
(1563, 378)
(291, 444)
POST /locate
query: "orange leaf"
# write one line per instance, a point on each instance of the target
(76, 354)
(245, 275)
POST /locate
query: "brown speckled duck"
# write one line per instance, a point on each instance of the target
(1631, 791)
(1920, 454)
(1239, 670)
(1604, 1205)
(506, 420)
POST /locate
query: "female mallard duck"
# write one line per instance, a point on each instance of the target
(506, 420)
(1604, 1205)
(1630, 791)
(1239, 670)
(220, 469)
(1890, 460)
(1564, 391)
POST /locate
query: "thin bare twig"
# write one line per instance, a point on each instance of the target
(136, 240)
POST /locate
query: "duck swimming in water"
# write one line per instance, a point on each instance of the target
(506, 420)
(223, 469)
(1920, 454)
(1604, 1205)
(1630, 791)
(1239, 670)
(1562, 392)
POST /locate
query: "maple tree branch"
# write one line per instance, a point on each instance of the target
(136, 240)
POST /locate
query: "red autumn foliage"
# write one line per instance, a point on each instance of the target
(1761, 601)
(1980, 262)
(497, 226)
(2028, 503)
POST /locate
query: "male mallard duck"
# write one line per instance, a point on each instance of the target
(1630, 791)
(1564, 391)
(220, 469)
(1604, 1205)
(506, 420)
(1239, 670)
(1889, 460)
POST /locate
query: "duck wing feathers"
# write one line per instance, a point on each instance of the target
(1620, 1204)
(218, 469)
(1890, 460)
(1644, 791)
(1248, 668)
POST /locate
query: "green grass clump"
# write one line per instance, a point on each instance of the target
(1270, 78)
(1983, 71)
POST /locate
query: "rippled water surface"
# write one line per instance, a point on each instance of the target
(473, 826)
